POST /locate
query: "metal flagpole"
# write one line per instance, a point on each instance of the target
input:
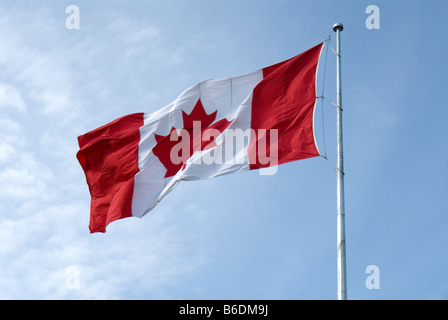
(342, 272)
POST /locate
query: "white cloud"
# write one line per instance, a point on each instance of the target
(10, 132)
(38, 247)
(41, 68)
(10, 97)
(9, 126)
(143, 34)
(7, 152)
(47, 86)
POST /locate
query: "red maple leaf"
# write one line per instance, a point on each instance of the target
(198, 121)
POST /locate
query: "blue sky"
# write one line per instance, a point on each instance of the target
(242, 236)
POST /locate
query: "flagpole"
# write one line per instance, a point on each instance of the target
(341, 255)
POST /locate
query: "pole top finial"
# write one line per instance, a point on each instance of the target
(338, 26)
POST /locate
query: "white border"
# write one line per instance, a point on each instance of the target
(316, 99)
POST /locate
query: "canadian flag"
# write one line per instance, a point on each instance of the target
(215, 127)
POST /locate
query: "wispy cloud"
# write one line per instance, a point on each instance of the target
(52, 91)
(10, 97)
